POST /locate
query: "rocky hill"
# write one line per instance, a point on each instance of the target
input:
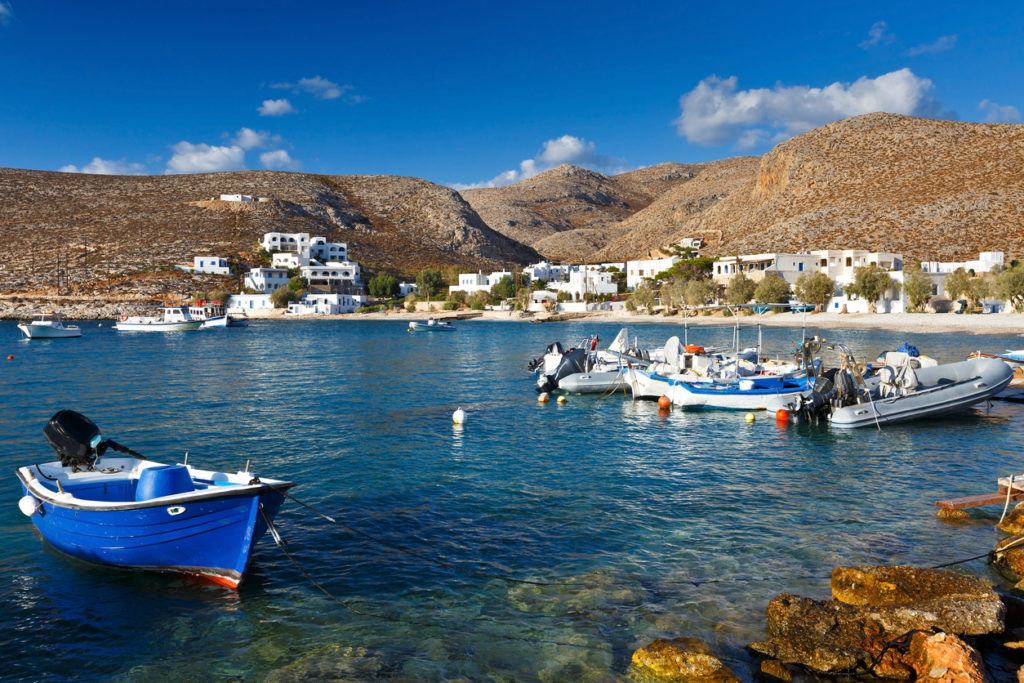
(931, 190)
(124, 233)
(569, 213)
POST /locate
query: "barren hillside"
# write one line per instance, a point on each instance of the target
(569, 212)
(928, 189)
(122, 232)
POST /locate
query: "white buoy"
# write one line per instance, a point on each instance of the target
(561, 399)
(750, 417)
(543, 397)
(28, 506)
(459, 416)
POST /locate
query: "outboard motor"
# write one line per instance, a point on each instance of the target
(571, 362)
(76, 440)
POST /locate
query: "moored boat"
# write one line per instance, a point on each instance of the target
(48, 325)
(134, 513)
(431, 325)
(171, 319)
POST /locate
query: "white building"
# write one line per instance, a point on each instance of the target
(478, 282)
(986, 261)
(333, 277)
(757, 266)
(841, 264)
(586, 280)
(320, 248)
(266, 280)
(646, 269)
(542, 300)
(694, 243)
(326, 304)
(546, 271)
(288, 259)
(215, 265)
(302, 244)
(407, 288)
(249, 302)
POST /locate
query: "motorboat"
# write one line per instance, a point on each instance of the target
(431, 325)
(212, 314)
(171, 319)
(751, 392)
(584, 368)
(1015, 359)
(129, 512)
(903, 389)
(48, 325)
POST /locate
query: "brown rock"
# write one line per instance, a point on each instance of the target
(1013, 523)
(774, 670)
(1010, 562)
(902, 585)
(953, 515)
(680, 659)
(944, 658)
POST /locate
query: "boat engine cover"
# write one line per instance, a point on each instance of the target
(74, 437)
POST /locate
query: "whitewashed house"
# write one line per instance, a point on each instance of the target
(546, 271)
(333, 277)
(326, 304)
(757, 266)
(266, 280)
(407, 288)
(986, 261)
(297, 242)
(249, 302)
(288, 259)
(320, 248)
(586, 280)
(214, 265)
(646, 269)
(478, 282)
(542, 300)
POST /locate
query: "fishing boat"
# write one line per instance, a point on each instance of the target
(212, 314)
(48, 325)
(904, 389)
(746, 393)
(129, 512)
(171, 319)
(431, 325)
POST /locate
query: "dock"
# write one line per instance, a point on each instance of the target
(1004, 490)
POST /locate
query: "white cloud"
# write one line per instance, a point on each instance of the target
(879, 34)
(279, 159)
(998, 113)
(100, 166)
(715, 113)
(319, 87)
(941, 45)
(276, 108)
(247, 138)
(5, 13)
(203, 158)
(567, 149)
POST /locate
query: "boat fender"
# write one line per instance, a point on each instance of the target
(29, 506)
(124, 317)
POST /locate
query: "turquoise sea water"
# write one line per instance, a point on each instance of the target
(652, 525)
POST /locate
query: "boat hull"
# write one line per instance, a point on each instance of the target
(47, 332)
(968, 383)
(130, 326)
(423, 327)
(218, 321)
(756, 394)
(208, 534)
(591, 382)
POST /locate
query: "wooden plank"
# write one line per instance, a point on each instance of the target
(975, 501)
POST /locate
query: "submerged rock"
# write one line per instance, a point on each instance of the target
(874, 615)
(680, 659)
(953, 515)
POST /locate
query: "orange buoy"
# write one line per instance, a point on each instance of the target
(10, 356)
(664, 402)
(663, 412)
(782, 415)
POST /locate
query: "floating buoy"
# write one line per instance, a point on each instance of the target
(663, 412)
(664, 402)
(749, 417)
(459, 416)
(543, 398)
(28, 506)
(782, 415)
(560, 400)
(10, 356)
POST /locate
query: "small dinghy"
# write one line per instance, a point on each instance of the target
(126, 511)
(432, 325)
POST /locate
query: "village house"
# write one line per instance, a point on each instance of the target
(646, 269)
(478, 282)
(214, 265)
(584, 280)
(757, 266)
(266, 280)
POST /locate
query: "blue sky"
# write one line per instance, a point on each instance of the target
(471, 93)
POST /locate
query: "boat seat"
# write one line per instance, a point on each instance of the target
(163, 480)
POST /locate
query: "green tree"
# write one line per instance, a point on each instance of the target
(503, 289)
(700, 292)
(383, 286)
(815, 288)
(642, 297)
(296, 283)
(917, 285)
(458, 296)
(1010, 286)
(673, 293)
(773, 289)
(697, 268)
(740, 289)
(957, 283)
(619, 278)
(478, 300)
(282, 296)
(870, 283)
(977, 290)
(429, 282)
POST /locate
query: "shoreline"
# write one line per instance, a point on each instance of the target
(997, 324)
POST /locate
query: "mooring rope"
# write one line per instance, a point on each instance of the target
(1006, 505)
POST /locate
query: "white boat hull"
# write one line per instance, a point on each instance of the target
(591, 382)
(157, 326)
(48, 331)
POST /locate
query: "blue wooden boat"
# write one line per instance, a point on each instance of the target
(135, 513)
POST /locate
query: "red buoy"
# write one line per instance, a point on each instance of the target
(782, 415)
(664, 402)
(10, 356)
